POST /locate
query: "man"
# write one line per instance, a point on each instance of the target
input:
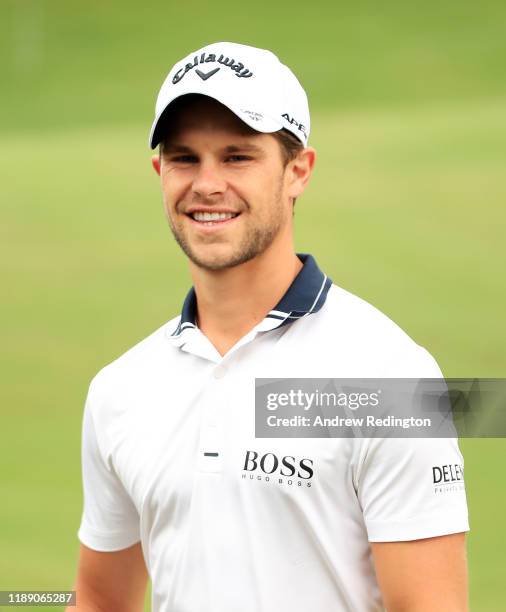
(176, 485)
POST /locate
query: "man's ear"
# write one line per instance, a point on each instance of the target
(155, 161)
(301, 169)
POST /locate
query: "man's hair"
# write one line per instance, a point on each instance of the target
(290, 145)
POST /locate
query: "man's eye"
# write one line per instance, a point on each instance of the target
(239, 158)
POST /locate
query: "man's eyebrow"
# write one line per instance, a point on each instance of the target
(244, 147)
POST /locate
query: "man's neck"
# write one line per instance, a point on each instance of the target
(231, 302)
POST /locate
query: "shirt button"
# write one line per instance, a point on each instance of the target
(219, 371)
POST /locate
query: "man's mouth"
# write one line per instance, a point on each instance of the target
(212, 218)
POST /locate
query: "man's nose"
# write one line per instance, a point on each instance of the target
(209, 179)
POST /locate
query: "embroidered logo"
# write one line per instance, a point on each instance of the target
(252, 114)
(205, 58)
(205, 75)
(288, 470)
(293, 121)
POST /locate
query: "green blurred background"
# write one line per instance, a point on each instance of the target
(406, 209)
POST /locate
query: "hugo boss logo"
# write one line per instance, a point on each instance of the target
(205, 73)
(280, 470)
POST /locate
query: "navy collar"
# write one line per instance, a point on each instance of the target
(306, 295)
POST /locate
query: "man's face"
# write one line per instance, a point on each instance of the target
(225, 187)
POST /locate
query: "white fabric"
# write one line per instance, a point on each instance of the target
(251, 82)
(215, 539)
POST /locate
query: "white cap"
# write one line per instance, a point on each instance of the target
(251, 82)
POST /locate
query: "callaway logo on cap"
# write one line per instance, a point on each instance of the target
(251, 82)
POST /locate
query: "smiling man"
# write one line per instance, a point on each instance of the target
(176, 485)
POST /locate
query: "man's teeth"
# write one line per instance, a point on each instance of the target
(207, 216)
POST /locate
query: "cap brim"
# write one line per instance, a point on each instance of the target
(255, 120)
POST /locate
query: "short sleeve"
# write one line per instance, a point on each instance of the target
(110, 520)
(412, 488)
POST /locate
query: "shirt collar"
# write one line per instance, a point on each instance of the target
(305, 296)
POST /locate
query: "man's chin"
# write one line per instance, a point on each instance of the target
(220, 261)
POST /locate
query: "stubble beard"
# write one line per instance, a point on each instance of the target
(256, 240)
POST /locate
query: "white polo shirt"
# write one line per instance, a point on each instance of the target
(170, 458)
